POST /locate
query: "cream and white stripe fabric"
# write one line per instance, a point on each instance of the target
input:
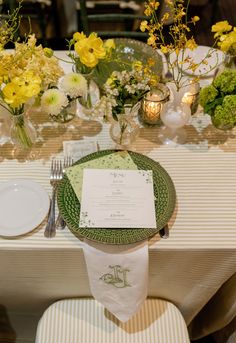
(86, 321)
(188, 268)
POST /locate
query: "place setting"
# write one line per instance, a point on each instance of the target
(114, 201)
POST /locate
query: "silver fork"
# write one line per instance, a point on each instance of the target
(60, 223)
(55, 177)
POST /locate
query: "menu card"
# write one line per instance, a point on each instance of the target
(114, 198)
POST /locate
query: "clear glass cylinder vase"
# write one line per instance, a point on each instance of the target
(230, 61)
(22, 131)
(91, 97)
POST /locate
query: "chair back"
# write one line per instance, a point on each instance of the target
(121, 19)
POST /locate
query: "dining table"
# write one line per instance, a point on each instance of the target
(194, 268)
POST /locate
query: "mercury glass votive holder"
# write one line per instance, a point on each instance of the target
(152, 104)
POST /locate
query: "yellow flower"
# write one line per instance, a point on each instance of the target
(164, 49)
(191, 44)
(165, 17)
(220, 27)
(228, 41)
(13, 95)
(138, 65)
(90, 50)
(77, 36)
(151, 40)
(195, 19)
(29, 83)
(109, 44)
(143, 25)
(151, 62)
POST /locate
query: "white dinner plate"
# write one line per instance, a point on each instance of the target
(23, 206)
(215, 58)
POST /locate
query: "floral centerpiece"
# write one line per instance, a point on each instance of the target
(122, 93)
(225, 35)
(24, 73)
(59, 102)
(219, 100)
(86, 53)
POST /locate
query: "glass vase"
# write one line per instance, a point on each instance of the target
(23, 133)
(87, 103)
(67, 113)
(175, 115)
(124, 131)
(230, 61)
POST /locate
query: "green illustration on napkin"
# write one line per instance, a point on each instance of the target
(117, 160)
(118, 278)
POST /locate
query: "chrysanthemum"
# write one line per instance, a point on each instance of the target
(73, 84)
(53, 100)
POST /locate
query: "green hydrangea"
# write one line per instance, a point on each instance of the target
(229, 102)
(207, 94)
(225, 115)
(226, 82)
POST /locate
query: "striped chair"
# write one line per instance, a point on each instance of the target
(86, 321)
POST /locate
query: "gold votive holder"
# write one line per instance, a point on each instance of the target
(191, 97)
(152, 104)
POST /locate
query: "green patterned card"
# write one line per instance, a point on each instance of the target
(118, 160)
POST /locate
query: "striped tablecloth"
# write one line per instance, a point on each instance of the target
(189, 268)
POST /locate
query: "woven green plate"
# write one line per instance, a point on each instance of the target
(126, 52)
(164, 192)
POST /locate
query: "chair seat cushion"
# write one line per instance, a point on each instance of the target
(87, 321)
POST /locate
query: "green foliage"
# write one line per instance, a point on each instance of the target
(219, 99)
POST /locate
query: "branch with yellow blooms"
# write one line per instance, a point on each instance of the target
(9, 26)
(178, 40)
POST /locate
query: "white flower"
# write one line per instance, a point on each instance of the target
(73, 84)
(53, 100)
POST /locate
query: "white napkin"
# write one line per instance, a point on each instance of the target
(118, 276)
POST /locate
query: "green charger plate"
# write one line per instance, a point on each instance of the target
(126, 52)
(164, 191)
